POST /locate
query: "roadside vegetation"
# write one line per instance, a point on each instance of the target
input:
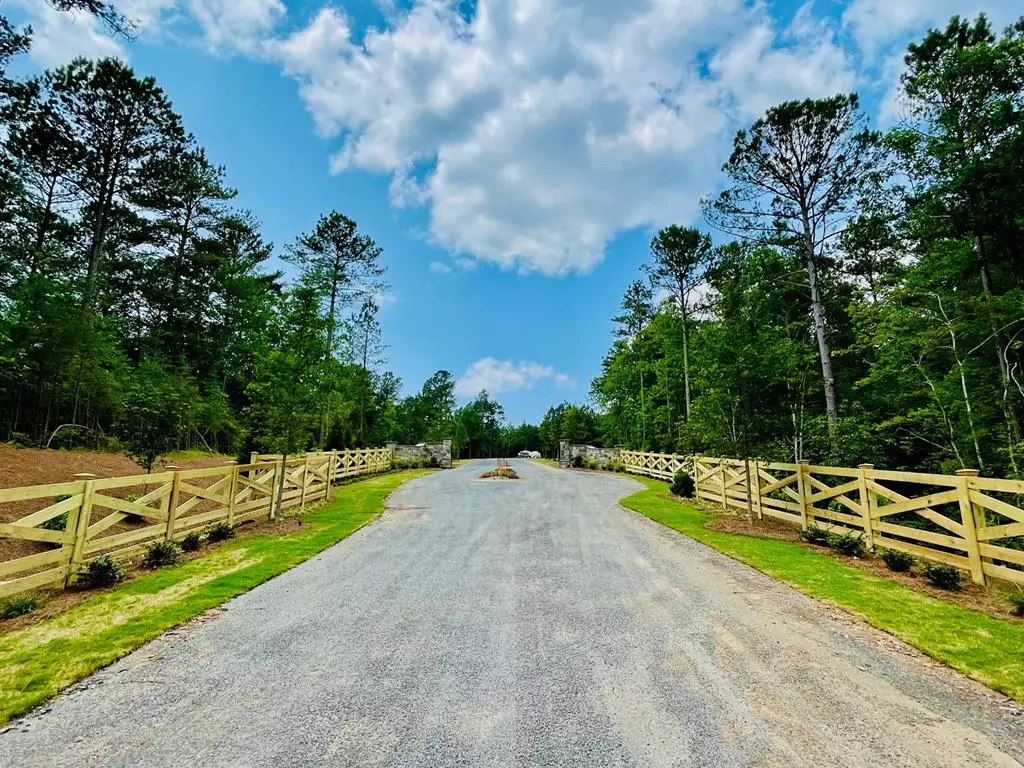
(39, 660)
(975, 643)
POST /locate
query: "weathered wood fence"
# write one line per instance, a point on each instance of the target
(73, 523)
(971, 522)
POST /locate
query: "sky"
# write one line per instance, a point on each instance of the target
(512, 157)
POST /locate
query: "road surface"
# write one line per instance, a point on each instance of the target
(521, 623)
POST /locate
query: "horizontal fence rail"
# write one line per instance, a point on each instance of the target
(63, 526)
(970, 522)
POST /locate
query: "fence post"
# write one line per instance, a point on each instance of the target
(233, 485)
(305, 484)
(867, 503)
(755, 488)
(172, 504)
(804, 489)
(81, 527)
(721, 476)
(969, 517)
(332, 474)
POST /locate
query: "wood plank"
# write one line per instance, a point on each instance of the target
(36, 580)
(997, 484)
(779, 515)
(1007, 531)
(50, 512)
(996, 505)
(40, 491)
(128, 537)
(828, 514)
(1001, 572)
(940, 539)
(922, 478)
(996, 552)
(838, 490)
(101, 525)
(31, 534)
(31, 562)
(778, 504)
(128, 507)
(157, 478)
(915, 504)
(924, 553)
(837, 471)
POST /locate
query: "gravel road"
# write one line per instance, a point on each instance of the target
(527, 623)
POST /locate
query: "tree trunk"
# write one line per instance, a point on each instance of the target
(824, 350)
(686, 353)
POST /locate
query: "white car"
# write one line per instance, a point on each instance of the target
(526, 455)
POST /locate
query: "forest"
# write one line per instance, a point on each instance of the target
(855, 295)
(140, 308)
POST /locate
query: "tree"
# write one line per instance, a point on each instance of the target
(681, 258)
(796, 175)
(636, 312)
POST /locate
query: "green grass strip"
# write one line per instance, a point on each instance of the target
(988, 649)
(38, 661)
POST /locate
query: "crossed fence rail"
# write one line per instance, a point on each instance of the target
(970, 522)
(70, 524)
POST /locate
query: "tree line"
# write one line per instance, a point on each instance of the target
(140, 307)
(863, 298)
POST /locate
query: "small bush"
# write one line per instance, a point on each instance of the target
(815, 535)
(897, 561)
(1017, 601)
(160, 554)
(220, 532)
(19, 605)
(615, 466)
(591, 463)
(848, 544)
(191, 542)
(58, 523)
(682, 484)
(944, 576)
(102, 572)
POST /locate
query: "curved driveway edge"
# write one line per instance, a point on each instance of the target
(527, 623)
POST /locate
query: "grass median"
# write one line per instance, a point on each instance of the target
(983, 647)
(38, 661)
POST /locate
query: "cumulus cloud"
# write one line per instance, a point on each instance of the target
(535, 132)
(506, 376)
(58, 37)
(440, 267)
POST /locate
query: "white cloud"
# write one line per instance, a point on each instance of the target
(877, 24)
(385, 299)
(241, 25)
(535, 132)
(506, 376)
(58, 37)
(440, 267)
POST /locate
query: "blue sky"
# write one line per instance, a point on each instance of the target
(513, 157)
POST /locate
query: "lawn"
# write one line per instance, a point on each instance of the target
(38, 661)
(983, 647)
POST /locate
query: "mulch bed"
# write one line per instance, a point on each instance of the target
(971, 596)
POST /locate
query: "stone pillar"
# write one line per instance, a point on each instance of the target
(446, 457)
(564, 454)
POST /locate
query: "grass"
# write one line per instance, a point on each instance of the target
(547, 462)
(983, 647)
(38, 661)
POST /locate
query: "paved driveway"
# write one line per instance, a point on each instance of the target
(529, 623)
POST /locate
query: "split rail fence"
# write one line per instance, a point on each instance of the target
(970, 522)
(70, 524)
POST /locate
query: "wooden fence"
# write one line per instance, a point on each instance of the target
(70, 524)
(971, 522)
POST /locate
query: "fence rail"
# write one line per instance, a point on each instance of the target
(970, 522)
(72, 523)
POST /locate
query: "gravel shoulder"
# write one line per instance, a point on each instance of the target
(531, 622)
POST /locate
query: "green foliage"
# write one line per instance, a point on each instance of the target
(160, 554)
(943, 576)
(60, 522)
(814, 534)
(102, 572)
(191, 542)
(849, 544)
(220, 532)
(1016, 600)
(19, 605)
(897, 561)
(682, 484)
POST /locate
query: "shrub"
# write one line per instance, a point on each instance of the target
(897, 561)
(220, 532)
(816, 535)
(102, 572)
(191, 542)
(58, 523)
(944, 576)
(848, 544)
(160, 554)
(615, 466)
(1017, 601)
(19, 605)
(682, 484)
(591, 463)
